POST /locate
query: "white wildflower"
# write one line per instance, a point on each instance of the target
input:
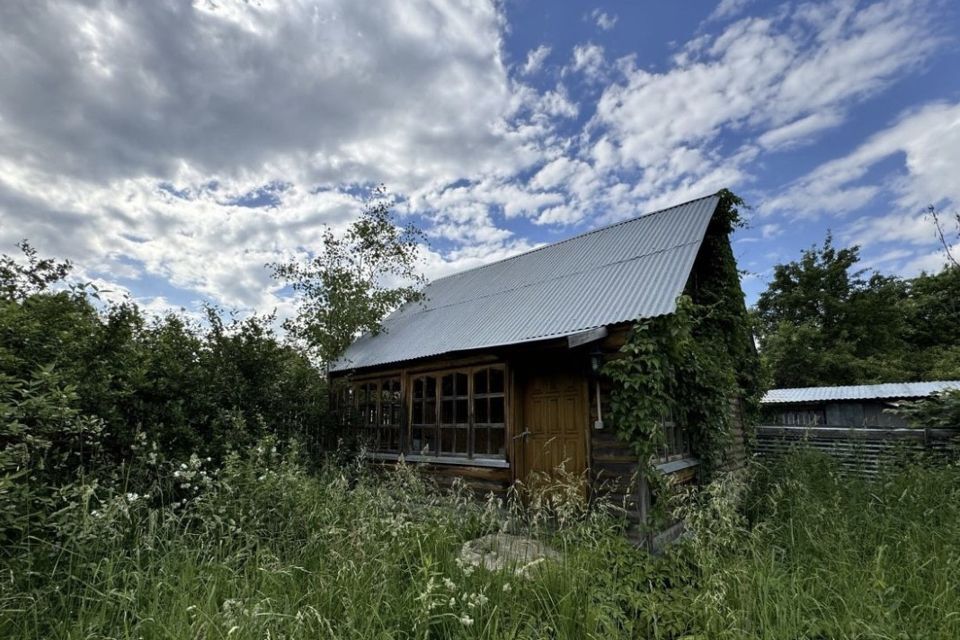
(506, 587)
(449, 584)
(466, 621)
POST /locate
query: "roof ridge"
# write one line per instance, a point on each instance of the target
(574, 237)
(870, 384)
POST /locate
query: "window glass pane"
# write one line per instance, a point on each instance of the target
(460, 446)
(417, 413)
(424, 441)
(446, 385)
(461, 384)
(496, 410)
(446, 412)
(497, 447)
(446, 440)
(480, 440)
(480, 381)
(461, 412)
(431, 387)
(430, 412)
(418, 388)
(480, 413)
(496, 380)
(497, 441)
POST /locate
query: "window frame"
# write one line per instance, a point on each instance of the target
(352, 398)
(468, 454)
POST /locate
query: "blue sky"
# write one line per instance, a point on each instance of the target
(171, 149)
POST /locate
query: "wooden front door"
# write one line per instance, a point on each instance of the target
(554, 427)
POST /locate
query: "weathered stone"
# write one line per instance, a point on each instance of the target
(502, 551)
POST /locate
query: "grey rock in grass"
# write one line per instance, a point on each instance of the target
(503, 551)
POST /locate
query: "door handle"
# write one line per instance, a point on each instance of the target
(521, 435)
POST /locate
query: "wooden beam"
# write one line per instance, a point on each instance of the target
(586, 337)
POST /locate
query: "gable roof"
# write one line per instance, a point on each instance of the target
(859, 392)
(626, 271)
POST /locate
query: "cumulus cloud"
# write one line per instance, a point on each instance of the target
(919, 154)
(927, 141)
(190, 143)
(605, 21)
(143, 136)
(535, 59)
(588, 59)
(728, 9)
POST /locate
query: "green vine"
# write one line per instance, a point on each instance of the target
(686, 367)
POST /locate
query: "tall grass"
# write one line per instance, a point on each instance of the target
(263, 549)
(821, 554)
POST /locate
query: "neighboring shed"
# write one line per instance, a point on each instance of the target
(496, 375)
(846, 406)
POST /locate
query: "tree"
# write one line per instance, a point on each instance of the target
(354, 280)
(942, 233)
(822, 322)
(18, 280)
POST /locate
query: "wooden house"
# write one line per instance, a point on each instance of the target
(497, 374)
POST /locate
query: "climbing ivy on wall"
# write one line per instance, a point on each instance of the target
(686, 367)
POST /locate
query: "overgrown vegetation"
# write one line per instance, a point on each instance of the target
(261, 548)
(155, 482)
(822, 321)
(941, 410)
(84, 384)
(689, 366)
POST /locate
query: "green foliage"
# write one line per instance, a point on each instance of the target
(47, 445)
(687, 367)
(83, 385)
(354, 281)
(18, 280)
(665, 373)
(941, 410)
(259, 547)
(821, 322)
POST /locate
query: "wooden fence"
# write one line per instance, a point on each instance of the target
(860, 450)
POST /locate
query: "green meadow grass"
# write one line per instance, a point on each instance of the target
(263, 549)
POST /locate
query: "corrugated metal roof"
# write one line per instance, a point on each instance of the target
(859, 392)
(629, 270)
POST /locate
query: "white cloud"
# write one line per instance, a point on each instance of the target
(728, 9)
(927, 140)
(132, 134)
(799, 130)
(771, 82)
(603, 20)
(535, 59)
(129, 131)
(588, 59)
(768, 231)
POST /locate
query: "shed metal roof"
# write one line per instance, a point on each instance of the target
(623, 272)
(859, 392)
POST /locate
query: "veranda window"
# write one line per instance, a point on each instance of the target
(489, 410)
(378, 410)
(459, 413)
(423, 420)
